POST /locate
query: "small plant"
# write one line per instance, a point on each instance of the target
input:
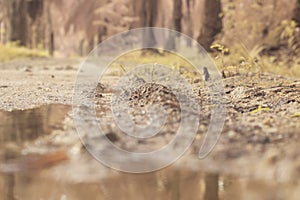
(222, 49)
(251, 60)
(152, 71)
(122, 67)
(227, 70)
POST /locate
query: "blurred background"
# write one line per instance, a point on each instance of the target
(246, 31)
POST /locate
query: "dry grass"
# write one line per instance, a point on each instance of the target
(127, 62)
(12, 51)
(240, 59)
(255, 60)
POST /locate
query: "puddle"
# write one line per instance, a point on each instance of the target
(20, 126)
(168, 184)
(171, 183)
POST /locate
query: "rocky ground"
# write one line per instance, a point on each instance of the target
(259, 138)
(261, 131)
(30, 83)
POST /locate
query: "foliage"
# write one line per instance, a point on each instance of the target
(261, 37)
(237, 60)
(283, 56)
(282, 59)
(222, 49)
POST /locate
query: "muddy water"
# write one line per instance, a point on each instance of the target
(22, 125)
(173, 183)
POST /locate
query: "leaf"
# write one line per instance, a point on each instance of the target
(295, 115)
(260, 108)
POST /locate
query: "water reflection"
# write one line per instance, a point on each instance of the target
(211, 193)
(19, 126)
(168, 184)
(172, 183)
(8, 186)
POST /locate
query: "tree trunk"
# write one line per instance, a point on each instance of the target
(148, 18)
(52, 44)
(189, 23)
(35, 12)
(49, 31)
(102, 31)
(177, 15)
(296, 13)
(25, 22)
(211, 24)
(18, 22)
(212, 188)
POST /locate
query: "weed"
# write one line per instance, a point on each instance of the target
(222, 49)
